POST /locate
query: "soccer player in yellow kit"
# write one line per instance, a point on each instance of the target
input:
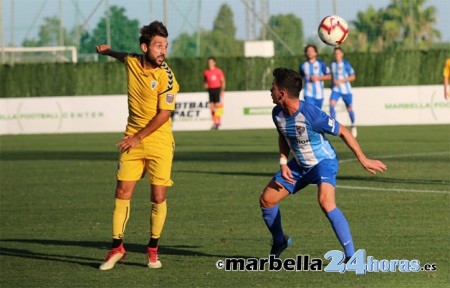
(446, 79)
(148, 144)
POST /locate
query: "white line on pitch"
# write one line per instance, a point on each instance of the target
(391, 189)
(397, 156)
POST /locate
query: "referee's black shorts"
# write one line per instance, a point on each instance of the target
(214, 94)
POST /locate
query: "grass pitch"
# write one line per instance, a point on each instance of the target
(57, 191)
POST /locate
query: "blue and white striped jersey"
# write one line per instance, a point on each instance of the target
(341, 71)
(304, 132)
(316, 68)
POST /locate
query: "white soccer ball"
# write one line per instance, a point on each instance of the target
(333, 30)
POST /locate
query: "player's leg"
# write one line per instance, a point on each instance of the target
(130, 169)
(157, 220)
(159, 166)
(121, 215)
(348, 100)
(333, 100)
(269, 199)
(218, 114)
(325, 173)
(211, 105)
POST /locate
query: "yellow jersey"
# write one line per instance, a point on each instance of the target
(149, 91)
(447, 68)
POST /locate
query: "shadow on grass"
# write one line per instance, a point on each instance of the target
(233, 156)
(393, 180)
(179, 250)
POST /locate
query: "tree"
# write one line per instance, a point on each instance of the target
(218, 42)
(49, 35)
(403, 24)
(124, 32)
(224, 21)
(290, 29)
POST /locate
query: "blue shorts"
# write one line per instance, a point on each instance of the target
(348, 98)
(325, 171)
(314, 101)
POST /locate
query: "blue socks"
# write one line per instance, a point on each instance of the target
(333, 112)
(352, 116)
(272, 217)
(342, 230)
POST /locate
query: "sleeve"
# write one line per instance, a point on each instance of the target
(168, 89)
(321, 122)
(349, 68)
(447, 68)
(300, 70)
(275, 111)
(325, 68)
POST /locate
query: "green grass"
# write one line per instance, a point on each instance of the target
(57, 196)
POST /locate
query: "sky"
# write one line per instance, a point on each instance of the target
(21, 18)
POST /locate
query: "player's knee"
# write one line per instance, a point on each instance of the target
(266, 201)
(123, 194)
(326, 204)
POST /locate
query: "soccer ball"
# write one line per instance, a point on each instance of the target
(333, 30)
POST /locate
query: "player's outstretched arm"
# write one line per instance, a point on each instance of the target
(370, 165)
(106, 50)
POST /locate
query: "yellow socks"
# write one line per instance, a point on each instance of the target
(157, 219)
(121, 215)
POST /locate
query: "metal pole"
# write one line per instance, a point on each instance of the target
(3, 33)
(165, 13)
(199, 14)
(61, 28)
(108, 23)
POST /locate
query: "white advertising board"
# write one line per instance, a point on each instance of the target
(405, 105)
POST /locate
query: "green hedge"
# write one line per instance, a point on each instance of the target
(102, 78)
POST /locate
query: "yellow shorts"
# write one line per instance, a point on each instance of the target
(151, 155)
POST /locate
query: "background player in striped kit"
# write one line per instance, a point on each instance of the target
(314, 72)
(301, 128)
(342, 73)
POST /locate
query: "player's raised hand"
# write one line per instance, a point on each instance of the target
(103, 49)
(373, 166)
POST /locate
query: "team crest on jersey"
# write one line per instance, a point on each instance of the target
(170, 98)
(153, 84)
(300, 130)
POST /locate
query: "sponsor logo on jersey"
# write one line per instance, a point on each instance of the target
(154, 83)
(170, 98)
(300, 130)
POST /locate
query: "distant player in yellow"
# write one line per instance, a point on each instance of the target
(447, 79)
(148, 144)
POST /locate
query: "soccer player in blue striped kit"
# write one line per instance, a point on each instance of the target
(301, 127)
(342, 73)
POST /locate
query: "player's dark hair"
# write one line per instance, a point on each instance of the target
(156, 28)
(288, 79)
(211, 58)
(338, 48)
(310, 45)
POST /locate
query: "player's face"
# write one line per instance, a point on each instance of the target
(311, 53)
(275, 92)
(211, 63)
(338, 55)
(156, 51)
